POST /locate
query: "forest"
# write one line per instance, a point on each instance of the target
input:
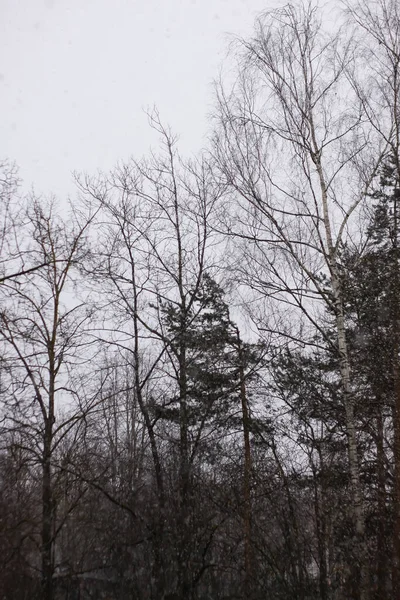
(200, 356)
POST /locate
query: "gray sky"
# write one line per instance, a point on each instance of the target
(75, 76)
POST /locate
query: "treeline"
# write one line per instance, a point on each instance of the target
(199, 359)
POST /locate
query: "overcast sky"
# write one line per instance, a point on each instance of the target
(75, 76)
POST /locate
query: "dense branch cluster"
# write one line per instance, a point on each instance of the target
(200, 362)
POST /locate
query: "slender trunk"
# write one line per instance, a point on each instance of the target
(381, 503)
(360, 559)
(319, 502)
(158, 534)
(396, 336)
(395, 281)
(184, 570)
(47, 499)
(47, 518)
(295, 566)
(248, 561)
(396, 453)
(360, 563)
(158, 531)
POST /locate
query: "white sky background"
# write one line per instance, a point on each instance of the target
(75, 76)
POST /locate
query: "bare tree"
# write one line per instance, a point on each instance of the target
(154, 240)
(377, 30)
(294, 145)
(15, 258)
(44, 344)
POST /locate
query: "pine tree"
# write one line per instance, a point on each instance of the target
(210, 394)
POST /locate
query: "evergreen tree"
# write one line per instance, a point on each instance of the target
(372, 293)
(211, 400)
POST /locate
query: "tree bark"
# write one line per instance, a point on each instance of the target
(381, 568)
(47, 518)
(396, 388)
(248, 560)
(360, 572)
(320, 518)
(184, 571)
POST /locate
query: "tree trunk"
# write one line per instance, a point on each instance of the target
(320, 518)
(158, 534)
(396, 502)
(381, 569)
(360, 565)
(184, 570)
(248, 562)
(396, 413)
(47, 519)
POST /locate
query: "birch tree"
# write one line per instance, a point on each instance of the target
(377, 30)
(293, 145)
